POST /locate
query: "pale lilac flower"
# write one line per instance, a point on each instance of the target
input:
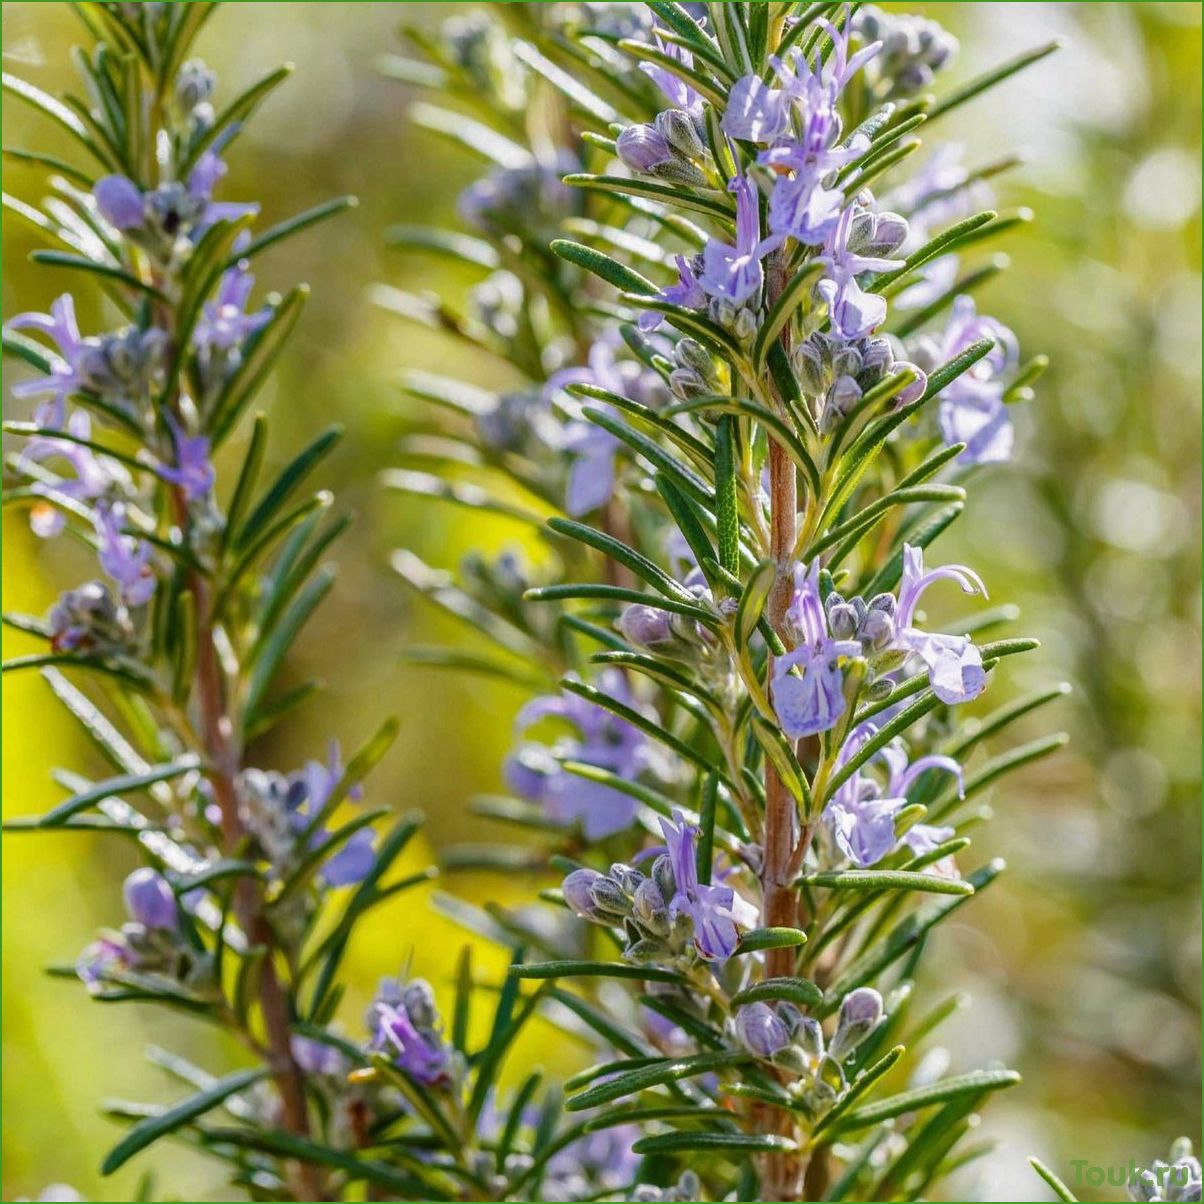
(404, 1023)
(735, 272)
(601, 738)
(224, 324)
(860, 816)
(679, 93)
(192, 471)
(125, 558)
(687, 292)
(602, 1161)
(150, 900)
(312, 785)
(120, 202)
(715, 911)
(972, 409)
(813, 702)
(954, 663)
(921, 839)
(853, 313)
(592, 448)
(316, 1057)
(66, 375)
(92, 478)
(101, 960)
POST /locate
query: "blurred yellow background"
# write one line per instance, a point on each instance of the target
(1084, 961)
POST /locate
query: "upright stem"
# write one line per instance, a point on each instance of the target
(222, 752)
(782, 1174)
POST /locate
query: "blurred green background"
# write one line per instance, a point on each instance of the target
(1083, 962)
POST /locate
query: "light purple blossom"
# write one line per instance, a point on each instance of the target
(801, 206)
(66, 369)
(601, 738)
(313, 784)
(972, 409)
(954, 663)
(125, 558)
(101, 960)
(853, 312)
(604, 1159)
(687, 292)
(224, 324)
(679, 93)
(316, 1057)
(735, 272)
(860, 816)
(150, 900)
(404, 1021)
(715, 911)
(815, 701)
(592, 448)
(93, 478)
(192, 471)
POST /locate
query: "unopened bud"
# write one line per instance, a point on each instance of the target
(860, 1014)
(649, 910)
(149, 899)
(578, 893)
(678, 129)
(643, 147)
(761, 1030)
(745, 326)
(645, 625)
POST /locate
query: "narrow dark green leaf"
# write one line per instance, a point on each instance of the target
(623, 278)
(177, 1116)
(664, 1072)
(990, 78)
(294, 225)
(583, 969)
(757, 939)
(974, 1083)
(796, 990)
(1054, 1184)
(736, 1144)
(124, 784)
(887, 880)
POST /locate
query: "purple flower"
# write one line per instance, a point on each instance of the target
(860, 816)
(735, 272)
(687, 292)
(972, 409)
(853, 312)
(65, 369)
(192, 471)
(715, 911)
(404, 1022)
(761, 1030)
(125, 558)
(92, 478)
(922, 839)
(312, 785)
(101, 960)
(601, 739)
(224, 323)
(316, 1057)
(150, 900)
(976, 414)
(679, 93)
(813, 702)
(954, 663)
(602, 1161)
(592, 469)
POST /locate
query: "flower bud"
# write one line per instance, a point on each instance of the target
(648, 908)
(643, 147)
(645, 625)
(760, 1030)
(194, 85)
(842, 621)
(662, 875)
(809, 1038)
(149, 899)
(877, 630)
(915, 390)
(878, 689)
(690, 353)
(860, 1014)
(578, 894)
(678, 129)
(686, 384)
(745, 326)
(890, 232)
(678, 171)
(608, 897)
